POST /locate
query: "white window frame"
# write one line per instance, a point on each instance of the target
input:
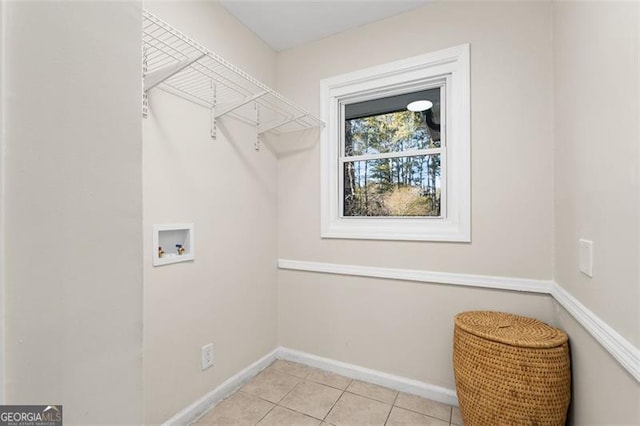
(450, 65)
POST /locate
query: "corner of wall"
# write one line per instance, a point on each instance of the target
(2, 168)
(227, 189)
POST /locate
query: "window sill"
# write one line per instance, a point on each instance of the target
(397, 229)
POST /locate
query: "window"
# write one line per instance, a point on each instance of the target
(395, 152)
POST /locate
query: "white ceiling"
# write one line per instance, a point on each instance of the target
(287, 24)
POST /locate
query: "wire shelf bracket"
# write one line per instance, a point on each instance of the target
(272, 126)
(179, 65)
(152, 79)
(239, 104)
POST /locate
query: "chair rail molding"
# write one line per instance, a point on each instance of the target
(623, 351)
(431, 277)
(620, 348)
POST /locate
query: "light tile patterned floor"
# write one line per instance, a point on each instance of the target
(286, 393)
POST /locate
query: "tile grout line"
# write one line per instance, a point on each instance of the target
(297, 412)
(266, 414)
(393, 404)
(307, 379)
(289, 391)
(325, 384)
(300, 412)
(339, 398)
(427, 415)
(257, 397)
(301, 380)
(369, 398)
(277, 404)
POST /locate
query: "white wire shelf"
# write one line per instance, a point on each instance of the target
(179, 65)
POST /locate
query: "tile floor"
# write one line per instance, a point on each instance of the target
(286, 393)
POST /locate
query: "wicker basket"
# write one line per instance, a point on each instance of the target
(510, 370)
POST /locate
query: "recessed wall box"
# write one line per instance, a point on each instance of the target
(173, 243)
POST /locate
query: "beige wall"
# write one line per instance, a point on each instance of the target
(227, 296)
(603, 392)
(405, 328)
(511, 138)
(398, 327)
(73, 206)
(596, 156)
(597, 94)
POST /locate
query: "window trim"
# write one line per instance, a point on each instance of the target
(403, 75)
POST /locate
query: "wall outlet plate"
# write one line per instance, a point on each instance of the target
(206, 356)
(585, 262)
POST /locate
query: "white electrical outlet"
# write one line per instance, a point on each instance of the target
(207, 356)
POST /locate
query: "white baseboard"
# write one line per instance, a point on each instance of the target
(425, 390)
(198, 408)
(402, 384)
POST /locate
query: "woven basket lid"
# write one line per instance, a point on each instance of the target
(511, 329)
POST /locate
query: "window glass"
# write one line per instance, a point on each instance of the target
(385, 124)
(386, 170)
(400, 186)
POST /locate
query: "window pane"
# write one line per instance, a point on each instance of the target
(385, 125)
(403, 186)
